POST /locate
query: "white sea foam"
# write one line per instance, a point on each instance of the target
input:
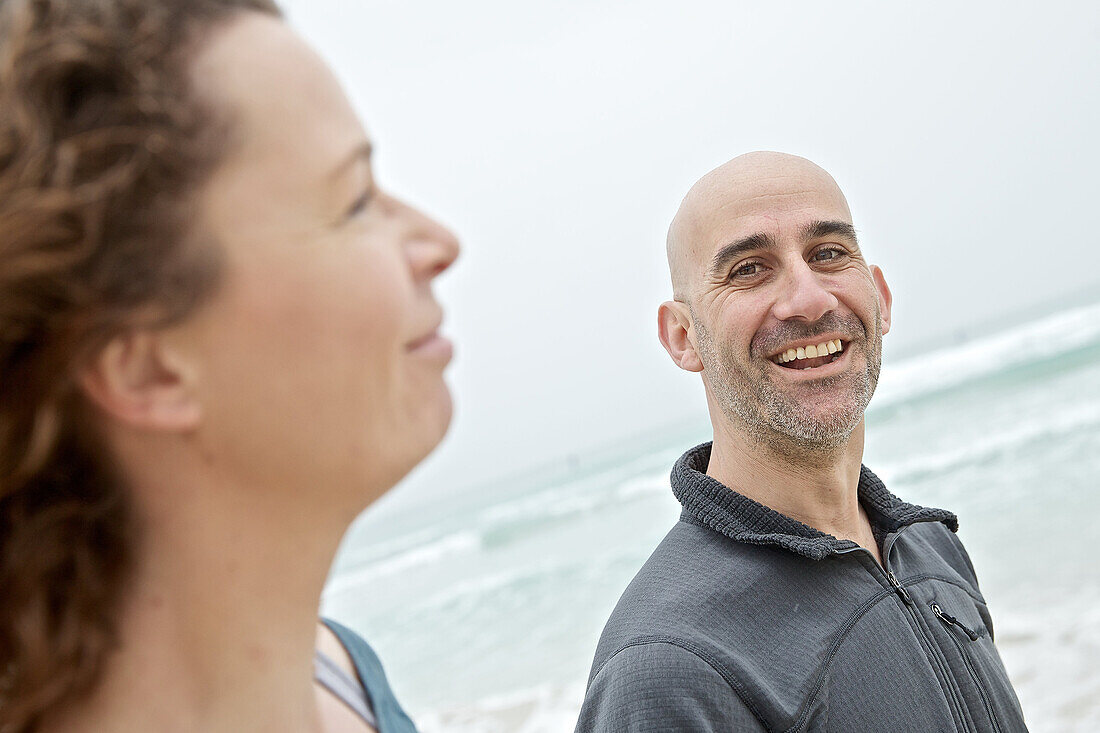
(1022, 435)
(480, 586)
(1058, 334)
(423, 547)
(543, 709)
(1050, 650)
(359, 554)
(644, 485)
(580, 496)
(543, 505)
(403, 561)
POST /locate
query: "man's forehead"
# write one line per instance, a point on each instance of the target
(784, 221)
(778, 199)
(757, 193)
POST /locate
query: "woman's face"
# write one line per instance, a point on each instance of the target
(319, 360)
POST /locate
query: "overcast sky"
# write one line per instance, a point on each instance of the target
(557, 139)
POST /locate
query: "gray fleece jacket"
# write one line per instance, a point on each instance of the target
(744, 619)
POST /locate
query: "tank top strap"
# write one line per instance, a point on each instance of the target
(346, 687)
(389, 715)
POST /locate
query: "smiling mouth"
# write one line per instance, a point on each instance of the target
(810, 357)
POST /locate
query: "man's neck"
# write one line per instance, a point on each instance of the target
(218, 629)
(819, 488)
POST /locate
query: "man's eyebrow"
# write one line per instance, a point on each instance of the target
(819, 229)
(362, 151)
(763, 241)
(733, 250)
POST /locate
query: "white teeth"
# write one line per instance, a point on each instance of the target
(810, 352)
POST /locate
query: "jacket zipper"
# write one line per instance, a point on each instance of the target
(930, 645)
(898, 588)
(949, 621)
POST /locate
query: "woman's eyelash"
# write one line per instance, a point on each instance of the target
(360, 204)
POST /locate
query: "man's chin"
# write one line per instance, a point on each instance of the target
(820, 437)
(825, 423)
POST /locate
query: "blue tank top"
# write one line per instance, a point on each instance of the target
(388, 715)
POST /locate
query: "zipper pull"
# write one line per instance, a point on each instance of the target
(949, 620)
(897, 587)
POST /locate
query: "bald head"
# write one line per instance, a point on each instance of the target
(754, 192)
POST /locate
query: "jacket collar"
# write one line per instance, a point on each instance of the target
(711, 504)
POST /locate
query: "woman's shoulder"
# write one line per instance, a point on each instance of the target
(354, 655)
(329, 644)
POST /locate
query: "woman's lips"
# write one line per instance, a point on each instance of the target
(433, 346)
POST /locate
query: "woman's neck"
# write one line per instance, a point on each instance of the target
(217, 632)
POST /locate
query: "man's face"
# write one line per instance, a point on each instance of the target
(775, 268)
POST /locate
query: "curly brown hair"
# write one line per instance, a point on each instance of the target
(101, 142)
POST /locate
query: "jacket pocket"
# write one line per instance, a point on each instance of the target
(949, 620)
(964, 635)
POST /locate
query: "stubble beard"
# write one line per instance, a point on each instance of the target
(752, 398)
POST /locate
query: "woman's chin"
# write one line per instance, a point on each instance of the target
(436, 418)
(404, 456)
(436, 428)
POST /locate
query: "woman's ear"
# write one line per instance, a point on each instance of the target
(674, 330)
(138, 380)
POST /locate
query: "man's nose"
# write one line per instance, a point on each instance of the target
(804, 296)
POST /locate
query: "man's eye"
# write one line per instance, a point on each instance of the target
(747, 270)
(826, 254)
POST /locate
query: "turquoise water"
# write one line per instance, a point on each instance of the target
(486, 609)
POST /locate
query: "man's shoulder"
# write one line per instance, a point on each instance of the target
(661, 685)
(693, 580)
(690, 558)
(679, 652)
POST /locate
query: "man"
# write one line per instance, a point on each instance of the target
(795, 593)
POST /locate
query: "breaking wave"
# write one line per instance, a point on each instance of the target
(403, 560)
(1036, 341)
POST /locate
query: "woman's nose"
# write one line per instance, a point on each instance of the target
(430, 247)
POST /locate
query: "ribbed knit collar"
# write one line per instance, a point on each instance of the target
(712, 504)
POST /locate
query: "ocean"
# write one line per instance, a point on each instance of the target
(486, 607)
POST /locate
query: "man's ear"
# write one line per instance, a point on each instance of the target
(885, 299)
(673, 327)
(138, 380)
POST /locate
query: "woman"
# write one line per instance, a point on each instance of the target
(218, 344)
